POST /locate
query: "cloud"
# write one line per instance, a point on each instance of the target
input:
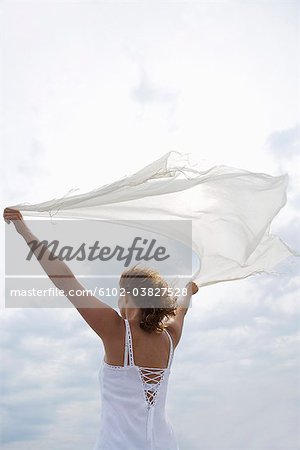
(284, 146)
(234, 372)
(285, 143)
(21, 172)
(49, 380)
(235, 368)
(148, 93)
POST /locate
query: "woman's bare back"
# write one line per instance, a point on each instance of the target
(150, 349)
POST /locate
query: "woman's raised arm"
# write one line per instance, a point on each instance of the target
(102, 318)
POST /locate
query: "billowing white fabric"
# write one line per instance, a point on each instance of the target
(231, 210)
(128, 420)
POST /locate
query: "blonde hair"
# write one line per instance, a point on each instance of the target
(160, 307)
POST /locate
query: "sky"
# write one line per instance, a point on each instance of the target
(94, 91)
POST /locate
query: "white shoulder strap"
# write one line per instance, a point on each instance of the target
(171, 352)
(128, 346)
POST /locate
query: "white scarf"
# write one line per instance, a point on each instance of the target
(231, 211)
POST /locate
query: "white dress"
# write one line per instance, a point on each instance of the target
(133, 415)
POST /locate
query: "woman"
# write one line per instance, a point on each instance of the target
(139, 346)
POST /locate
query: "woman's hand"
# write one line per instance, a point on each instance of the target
(14, 216)
(192, 287)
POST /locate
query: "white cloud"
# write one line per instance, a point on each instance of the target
(285, 143)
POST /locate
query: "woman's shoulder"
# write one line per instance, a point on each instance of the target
(172, 333)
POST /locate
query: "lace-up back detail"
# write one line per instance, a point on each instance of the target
(151, 377)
